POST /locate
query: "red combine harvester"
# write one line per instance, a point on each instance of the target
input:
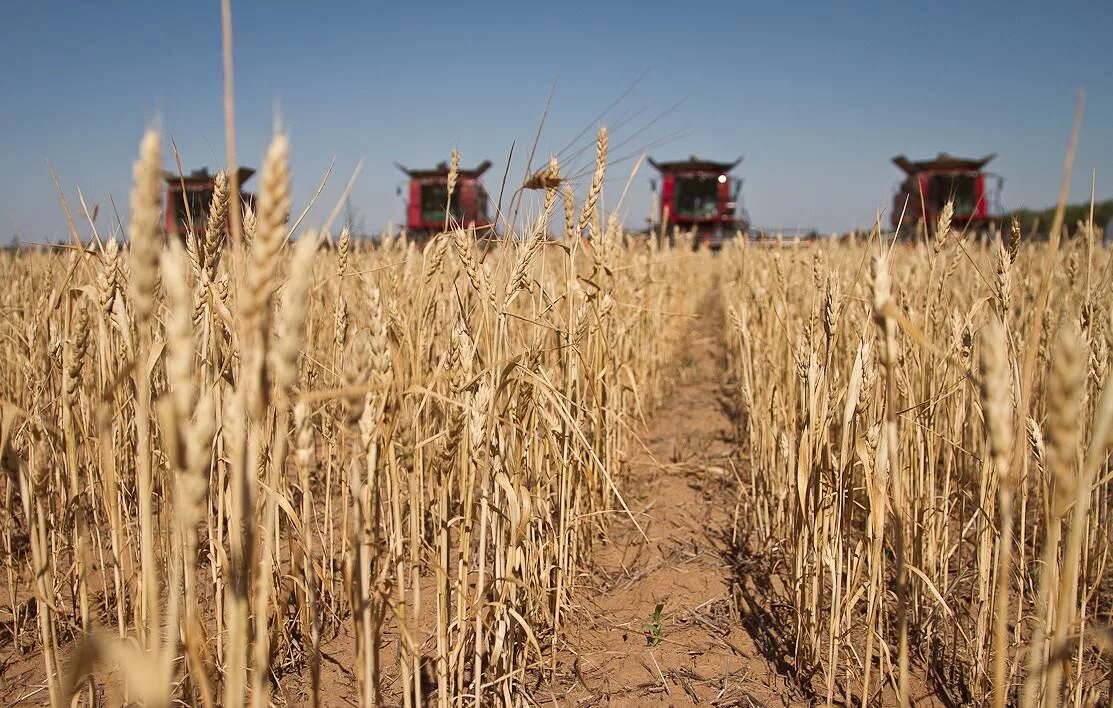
(427, 197)
(195, 190)
(701, 196)
(930, 184)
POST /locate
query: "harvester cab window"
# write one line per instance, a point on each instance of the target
(697, 197)
(199, 202)
(957, 186)
(433, 200)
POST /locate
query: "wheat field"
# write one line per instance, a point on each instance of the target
(927, 431)
(243, 465)
(220, 452)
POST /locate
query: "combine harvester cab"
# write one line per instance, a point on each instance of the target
(930, 184)
(427, 197)
(700, 196)
(189, 197)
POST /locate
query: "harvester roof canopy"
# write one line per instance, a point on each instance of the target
(941, 163)
(202, 176)
(695, 164)
(441, 170)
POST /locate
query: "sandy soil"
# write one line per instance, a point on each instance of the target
(681, 488)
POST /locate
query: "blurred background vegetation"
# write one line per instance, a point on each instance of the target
(1039, 220)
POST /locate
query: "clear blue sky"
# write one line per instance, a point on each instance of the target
(817, 96)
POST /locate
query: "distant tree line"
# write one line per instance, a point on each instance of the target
(1040, 220)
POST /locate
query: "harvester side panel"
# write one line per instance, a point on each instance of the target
(413, 207)
(725, 211)
(466, 193)
(668, 193)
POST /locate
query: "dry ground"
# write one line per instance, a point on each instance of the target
(681, 489)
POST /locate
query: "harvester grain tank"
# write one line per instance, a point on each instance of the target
(930, 184)
(701, 196)
(189, 197)
(427, 198)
